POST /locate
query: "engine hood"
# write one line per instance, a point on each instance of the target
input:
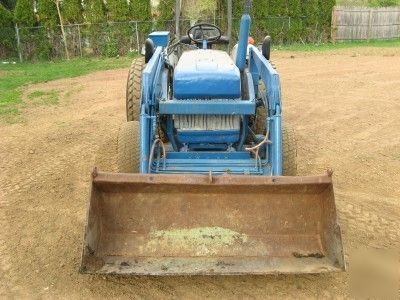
(206, 74)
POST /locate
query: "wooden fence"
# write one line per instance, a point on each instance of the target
(364, 23)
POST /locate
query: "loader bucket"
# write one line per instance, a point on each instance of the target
(202, 225)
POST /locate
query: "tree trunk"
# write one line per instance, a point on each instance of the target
(62, 28)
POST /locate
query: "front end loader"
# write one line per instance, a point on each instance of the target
(206, 181)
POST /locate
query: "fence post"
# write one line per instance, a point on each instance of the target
(80, 40)
(334, 25)
(229, 13)
(137, 37)
(369, 24)
(18, 42)
(177, 17)
(62, 28)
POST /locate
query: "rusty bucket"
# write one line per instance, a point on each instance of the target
(200, 225)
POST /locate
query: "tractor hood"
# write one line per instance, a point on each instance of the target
(206, 74)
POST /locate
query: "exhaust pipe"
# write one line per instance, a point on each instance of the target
(243, 37)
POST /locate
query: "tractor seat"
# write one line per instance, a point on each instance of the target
(206, 74)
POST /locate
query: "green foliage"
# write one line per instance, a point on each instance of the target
(334, 47)
(7, 33)
(47, 12)
(24, 14)
(259, 14)
(294, 8)
(371, 3)
(94, 11)
(72, 11)
(35, 44)
(8, 4)
(384, 3)
(166, 15)
(286, 21)
(204, 9)
(166, 10)
(278, 7)
(116, 39)
(140, 10)
(118, 10)
(44, 98)
(237, 8)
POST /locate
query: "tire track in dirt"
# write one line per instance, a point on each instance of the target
(331, 103)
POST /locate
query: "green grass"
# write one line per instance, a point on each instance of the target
(330, 46)
(13, 78)
(47, 98)
(370, 3)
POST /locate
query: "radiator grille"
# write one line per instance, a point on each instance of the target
(207, 122)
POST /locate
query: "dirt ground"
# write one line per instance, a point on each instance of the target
(344, 105)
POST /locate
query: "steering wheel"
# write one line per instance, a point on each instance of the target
(204, 31)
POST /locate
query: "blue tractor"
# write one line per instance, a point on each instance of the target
(205, 182)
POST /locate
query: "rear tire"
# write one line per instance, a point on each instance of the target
(259, 125)
(260, 121)
(289, 149)
(128, 155)
(134, 89)
(106, 156)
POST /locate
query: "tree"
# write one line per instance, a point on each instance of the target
(57, 2)
(140, 10)
(94, 11)
(8, 4)
(260, 12)
(166, 10)
(165, 14)
(205, 9)
(7, 40)
(72, 11)
(24, 14)
(118, 10)
(47, 11)
(278, 7)
(312, 19)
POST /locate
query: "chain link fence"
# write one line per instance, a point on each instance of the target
(120, 38)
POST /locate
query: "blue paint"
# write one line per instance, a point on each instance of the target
(243, 42)
(209, 155)
(206, 74)
(206, 107)
(160, 38)
(207, 82)
(261, 66)
(276, 137)
(203, 166)
(208, 136)
(144, 142)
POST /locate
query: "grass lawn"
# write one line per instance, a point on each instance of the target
(13, 77)
(347, 45)
(371, 3)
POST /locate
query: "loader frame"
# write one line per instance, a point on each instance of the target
(155, 101)
(247, 220)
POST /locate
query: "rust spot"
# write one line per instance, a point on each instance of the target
(302, 255)
(164, 268)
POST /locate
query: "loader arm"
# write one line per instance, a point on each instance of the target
(260, 68)
(207, 194)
